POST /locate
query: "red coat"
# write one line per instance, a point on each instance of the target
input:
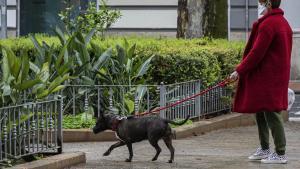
(265, 69)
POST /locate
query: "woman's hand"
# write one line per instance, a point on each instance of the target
(234, 76)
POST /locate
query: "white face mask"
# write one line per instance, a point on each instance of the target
(261, 9)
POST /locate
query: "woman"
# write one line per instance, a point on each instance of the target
(263, 79)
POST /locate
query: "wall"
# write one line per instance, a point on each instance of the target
(12, 16)
(295, 65)
(242, 14)
(148, 17)
(291, 9)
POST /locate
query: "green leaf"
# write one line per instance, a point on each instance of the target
(37, 46)
(121, 55)
(13, 63)
(96, 49)
(6, 90)
(90, 35)
(39, 88)
(78, 59)
(61, 55)
(82, 91)
(43, 94)
(24, 69)
(144, 68)
(58, 81)
(60, 35)
(102, 59)
(45, 73)
(34, 68)
(129, 104)
(129, 66)
(5, 66)
(130, 53)
(87, 81)
(15, 70)
(64, 69)
(141, 91)
(28, 84)
(58, 88)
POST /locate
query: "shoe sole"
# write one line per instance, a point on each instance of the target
(258, 158)
(274, 162)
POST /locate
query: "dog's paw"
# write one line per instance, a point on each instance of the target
(106, 153)
(170, 161)
(127, 160)
(154, 159)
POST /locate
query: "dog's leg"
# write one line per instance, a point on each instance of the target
(168, 142)
(118, 144)
(129, 146)
(157, 148)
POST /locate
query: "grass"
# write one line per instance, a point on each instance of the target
(189, 122)
(79, 121)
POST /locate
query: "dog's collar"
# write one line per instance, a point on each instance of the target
(116, 121)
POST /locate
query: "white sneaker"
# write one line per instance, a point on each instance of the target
(275, 159)
(260, 154)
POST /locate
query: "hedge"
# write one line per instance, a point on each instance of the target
(176, 60)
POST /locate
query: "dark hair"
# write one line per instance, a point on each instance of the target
(275, 3)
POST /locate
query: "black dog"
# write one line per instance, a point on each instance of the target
(135, 129)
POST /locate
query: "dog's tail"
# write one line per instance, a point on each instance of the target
(178, 123)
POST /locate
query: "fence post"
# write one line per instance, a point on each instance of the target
(59, 126)
(136, 104)
(198, 99)
(1, 115)
(99, 101)
(162, 100)
(74, 100)
(110, 98)
(5, 136)
(86, 104)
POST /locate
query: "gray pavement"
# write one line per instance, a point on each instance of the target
(222, 149)
(294, 113)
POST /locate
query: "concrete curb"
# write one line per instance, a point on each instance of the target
(197, 128)
(60, 161)
(86, 135)
(223, 122)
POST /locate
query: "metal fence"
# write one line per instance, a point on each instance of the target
(30, 128)
(170, 94)
(79, 98)
(211, 102)
(216, 100)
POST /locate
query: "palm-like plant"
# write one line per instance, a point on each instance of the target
(83, 66)
(126, 68)
(20, 75)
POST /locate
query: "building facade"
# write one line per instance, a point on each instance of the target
(148, 17)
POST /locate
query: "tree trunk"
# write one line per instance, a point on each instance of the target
(190, 17)
(182, 19)
(198, 18)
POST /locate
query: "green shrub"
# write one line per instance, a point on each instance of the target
(189, 122)
(77, 122)
(175, 60)
(100, 20)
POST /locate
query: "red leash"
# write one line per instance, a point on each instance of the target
(221, 84)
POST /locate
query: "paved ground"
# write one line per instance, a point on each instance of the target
(295, 111)
(223, 149)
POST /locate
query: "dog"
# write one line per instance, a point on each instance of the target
(132, 129)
